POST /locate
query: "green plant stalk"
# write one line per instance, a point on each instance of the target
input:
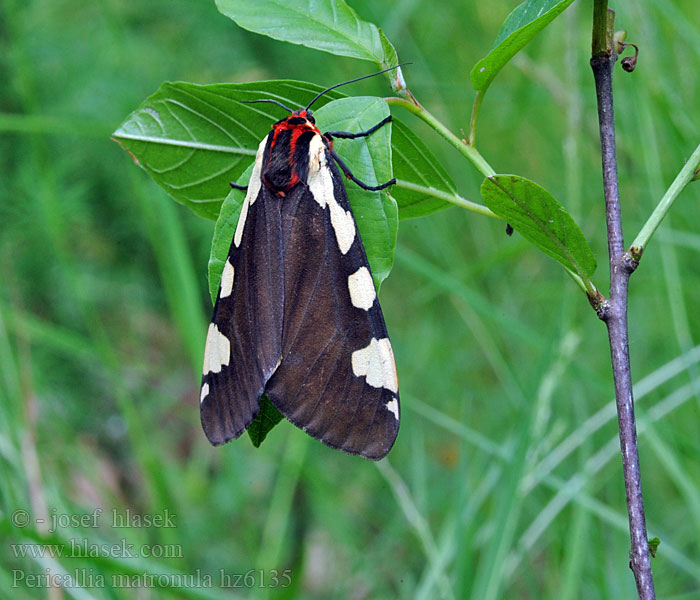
(586, 285)
(684, 177)
(455, 199)
(601, 39)
(476, 110)
(471, 153)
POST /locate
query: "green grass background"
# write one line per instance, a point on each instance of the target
(505, 481)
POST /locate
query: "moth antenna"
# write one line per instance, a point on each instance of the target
(270, 100)
(353, 81)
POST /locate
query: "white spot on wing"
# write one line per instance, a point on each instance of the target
(320, 183)
(343, 225)
(376, 363)
(361, 286)
(227, 280)
(217, 350)
(252, 193)
(205, 392)
(393, 406)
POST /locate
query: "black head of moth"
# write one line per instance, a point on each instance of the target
(297, 316)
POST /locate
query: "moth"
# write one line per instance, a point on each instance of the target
(297, 316)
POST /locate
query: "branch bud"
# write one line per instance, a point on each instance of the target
(618, 40)
(629, 63)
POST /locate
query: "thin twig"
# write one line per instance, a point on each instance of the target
(455, 199)
(684, 177)
(614, 311)
(468, 151)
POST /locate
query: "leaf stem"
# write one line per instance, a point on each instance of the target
(470, 152)
(476, 110)
(684, 177)
(614, 311)
(455, 199)
(586, 285)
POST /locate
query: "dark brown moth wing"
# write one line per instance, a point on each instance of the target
(244, 339)
(337, 379)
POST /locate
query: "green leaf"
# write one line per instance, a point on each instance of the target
(268, 416)
(413, 162)
(391, 58)
(523, 24)
(194, 139)
(653, 546)
(326, 25)
(539, 218)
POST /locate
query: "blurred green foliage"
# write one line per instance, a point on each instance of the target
(503, 481)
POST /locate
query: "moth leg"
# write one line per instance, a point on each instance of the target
(236, 186)
(351, 136)
(345, 169)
